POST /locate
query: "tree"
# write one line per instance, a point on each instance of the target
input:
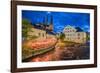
(87, 36)
(25, 28)
(62, 36)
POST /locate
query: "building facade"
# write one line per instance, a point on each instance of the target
(42, 30)
(37, 33)
(74, 34)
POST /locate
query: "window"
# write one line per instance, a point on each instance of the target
(39, 34)
(78, 34)
(43, 34)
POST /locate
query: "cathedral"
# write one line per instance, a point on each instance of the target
(44, 29)
(47, 24)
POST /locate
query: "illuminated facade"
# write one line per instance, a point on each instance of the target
(43, 30)
(74, 34)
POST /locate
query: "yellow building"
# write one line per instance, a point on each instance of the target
(40, 34)
(74, 34)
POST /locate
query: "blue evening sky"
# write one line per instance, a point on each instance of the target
(60, 19)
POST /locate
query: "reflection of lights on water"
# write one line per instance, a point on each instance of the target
(46, 57)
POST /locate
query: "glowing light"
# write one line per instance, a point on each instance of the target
(48, 12)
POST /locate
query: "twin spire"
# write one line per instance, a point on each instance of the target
(48, 20)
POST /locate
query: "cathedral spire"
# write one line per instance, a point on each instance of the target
(51, 19)
(45, 20)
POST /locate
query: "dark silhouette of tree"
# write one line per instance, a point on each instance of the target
(62, 36)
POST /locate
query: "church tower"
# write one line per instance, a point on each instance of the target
(51, 23)
(48, 22)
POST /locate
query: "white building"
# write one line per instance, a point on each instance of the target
(74, 34)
